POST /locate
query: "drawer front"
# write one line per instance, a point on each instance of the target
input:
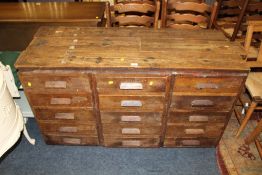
(207, 84)
(153, 118)
(219, 103)
(136, 103)
(70, 115)
(60, 128)
(126, 84)
(197, 117)
(55, 82)
(131, 142)
(61, 100)
(70, 140)
(190, 142)
(194, 130)
(131, 129)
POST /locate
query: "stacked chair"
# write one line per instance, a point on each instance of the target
(187, 14)
(134, 13)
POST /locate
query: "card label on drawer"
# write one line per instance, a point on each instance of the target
(72, 140)
(202, 103)
(68, 129)
(190, 142)
(131, 103)
(194, 131)
(60, 101)
(130, 131)
(131, 143)
(207, 86)
(55, 84)
(68, 116)
(127, 118)
(198, 118)
(126, 86)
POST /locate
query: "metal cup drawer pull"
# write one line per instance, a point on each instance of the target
(60, 101)
(130, 118)
(190, 142)
(55, 84)
(68, 116)
(202, 103)
(194, 131)
(67, 129)
(71, 140)
(131, 143)
(198, 118)
(131, 103)
(130, 86)
(130, 131)
(207, 86)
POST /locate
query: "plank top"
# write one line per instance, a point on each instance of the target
(136, 48)
(254, 84)
(51, 12)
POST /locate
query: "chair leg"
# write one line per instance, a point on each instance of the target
(251, 137)
(238, 116)
(240, 18)
(108, 15)
(247, 117)
(259, 57)
(259, 148)
(248, 39)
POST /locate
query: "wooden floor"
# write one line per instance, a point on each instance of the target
(229, 160)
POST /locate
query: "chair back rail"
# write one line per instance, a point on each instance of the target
(186, 15)
(135, 13)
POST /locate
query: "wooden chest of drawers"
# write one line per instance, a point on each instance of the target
(131, 87)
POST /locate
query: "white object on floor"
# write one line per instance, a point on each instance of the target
(11, 119)
(10, 80)
(22, 102)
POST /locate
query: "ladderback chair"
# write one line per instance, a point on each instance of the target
(134, 14)
(253, 85)
(125, 1)
(232, 15)
(186, 15)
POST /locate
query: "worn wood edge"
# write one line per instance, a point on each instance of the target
(220, 162)
(229, 115)
(165, 115)
(96, 109)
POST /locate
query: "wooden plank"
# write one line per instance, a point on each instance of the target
(127, 32)
(131, 48)
(52, 12)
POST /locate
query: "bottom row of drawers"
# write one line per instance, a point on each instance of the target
(70, 140)
(178, 135)
(131, 142)
(190, 142)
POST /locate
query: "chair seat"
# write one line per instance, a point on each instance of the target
(254, 84)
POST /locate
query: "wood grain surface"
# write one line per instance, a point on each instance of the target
(93, 48)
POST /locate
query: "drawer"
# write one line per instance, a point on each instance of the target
(194, 130)
(126, 84)
(190, 142)
(60, 100)
(73, 82)
(60, 128)
(131, 129)
(65, 114)
(131, 142)
(207, 84)
(219, 103)
(197, 117)
(135, 103)
(131, 117)
(70, 140)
